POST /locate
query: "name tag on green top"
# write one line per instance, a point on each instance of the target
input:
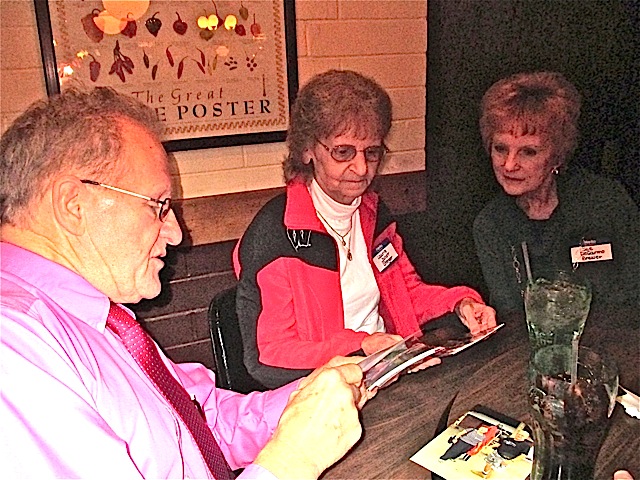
(591, 253)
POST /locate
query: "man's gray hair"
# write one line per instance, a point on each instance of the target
(75, 132)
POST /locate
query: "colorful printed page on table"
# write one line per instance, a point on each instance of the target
(480, 444)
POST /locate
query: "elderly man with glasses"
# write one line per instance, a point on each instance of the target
(85, 211)
(322, 269)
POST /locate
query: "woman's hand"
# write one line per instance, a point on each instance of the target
(378, 341)
(476, 316)
(426, 363)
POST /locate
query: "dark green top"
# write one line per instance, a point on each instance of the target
(590, 208)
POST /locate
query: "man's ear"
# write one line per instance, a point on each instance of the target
(68, 205)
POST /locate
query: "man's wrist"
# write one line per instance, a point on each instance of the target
(256, 472)
(285, 465)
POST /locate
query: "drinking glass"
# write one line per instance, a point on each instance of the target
(556, 307)
(570, 419)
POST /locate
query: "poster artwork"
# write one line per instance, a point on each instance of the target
(207, 68)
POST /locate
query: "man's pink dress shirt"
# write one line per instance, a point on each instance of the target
(74, 403)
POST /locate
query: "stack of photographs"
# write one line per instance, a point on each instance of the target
(383, 366)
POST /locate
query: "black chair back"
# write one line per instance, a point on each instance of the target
(226, 340)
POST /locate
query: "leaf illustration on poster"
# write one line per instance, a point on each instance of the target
(216, 72)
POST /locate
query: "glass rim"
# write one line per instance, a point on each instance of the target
(573, 276)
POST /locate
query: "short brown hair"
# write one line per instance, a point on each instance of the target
(75, 131)
(333, 103)
(533, 104)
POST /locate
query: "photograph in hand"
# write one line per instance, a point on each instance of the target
(381, 367)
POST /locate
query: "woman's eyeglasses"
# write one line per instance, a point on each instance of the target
(346, 153)
(164, 205)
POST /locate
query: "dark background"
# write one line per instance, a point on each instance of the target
(472, 44)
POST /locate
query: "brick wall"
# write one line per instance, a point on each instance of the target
(177, 319)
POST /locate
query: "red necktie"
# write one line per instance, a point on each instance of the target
(144, 351)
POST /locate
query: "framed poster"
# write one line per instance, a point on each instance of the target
(217, 73)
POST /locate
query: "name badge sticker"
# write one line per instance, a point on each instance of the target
(384, 255)
(591, 253)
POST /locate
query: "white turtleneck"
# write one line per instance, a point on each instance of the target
(360, 293)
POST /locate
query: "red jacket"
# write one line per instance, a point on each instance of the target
(289, 301)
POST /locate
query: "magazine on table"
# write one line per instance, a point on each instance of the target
(481, 443)
(380, 367)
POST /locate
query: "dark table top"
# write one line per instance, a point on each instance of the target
(403, 417)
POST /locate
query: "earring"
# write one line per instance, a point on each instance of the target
(555, 171)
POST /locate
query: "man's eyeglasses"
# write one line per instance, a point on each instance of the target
(164, 205)
(346, 153)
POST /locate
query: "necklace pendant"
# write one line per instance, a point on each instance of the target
(349, 257)
(344, 244)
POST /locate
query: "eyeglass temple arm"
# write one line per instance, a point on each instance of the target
(122, 190)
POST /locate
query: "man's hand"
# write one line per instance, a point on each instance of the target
(378, 341)
(320, 423)
(477, 317)
(337, 362)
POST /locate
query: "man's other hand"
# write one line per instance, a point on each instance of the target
(320, 423)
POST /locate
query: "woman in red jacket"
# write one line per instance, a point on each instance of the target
(322, 270)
